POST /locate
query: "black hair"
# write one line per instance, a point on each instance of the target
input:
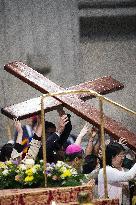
(71, 157)
(49, 125)
(112, 150)
(128, 163)
(6, 151)
(34, 122)
(90, 163)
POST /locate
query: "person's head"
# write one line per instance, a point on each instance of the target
(6, 151)
(115, 154)
(90, 163)
(49, 127)
(74, 155)
(29, 121)
(32, 122)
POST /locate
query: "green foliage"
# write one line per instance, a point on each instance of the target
(30, 175)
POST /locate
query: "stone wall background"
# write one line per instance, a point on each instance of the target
(52, 37)
(108, 47)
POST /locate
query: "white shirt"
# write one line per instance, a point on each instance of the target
(116, 179)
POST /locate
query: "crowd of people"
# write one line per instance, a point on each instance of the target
(62, 145)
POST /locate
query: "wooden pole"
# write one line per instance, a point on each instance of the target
(103, 147)
(8, 125)
(43, 139)
(9, 132)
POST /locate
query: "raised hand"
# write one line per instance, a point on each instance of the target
(38, 128)
(107, 142)
(63, 120)
(82, 133)
(122, 141)
(92, 133)
(84, 130)
(60, 110)
(17, 125)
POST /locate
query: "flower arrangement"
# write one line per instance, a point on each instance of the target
(13, 175)
(61, 174)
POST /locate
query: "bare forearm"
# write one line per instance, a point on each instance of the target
(96, 148)
(19, 138)
(82, 133)
(89, 147)
(79, 139)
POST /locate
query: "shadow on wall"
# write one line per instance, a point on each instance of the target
(85, 4)
(107, 28)
(38, 63)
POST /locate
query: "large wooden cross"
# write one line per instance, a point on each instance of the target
(75, 103)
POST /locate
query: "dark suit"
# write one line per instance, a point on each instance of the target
(54, 143)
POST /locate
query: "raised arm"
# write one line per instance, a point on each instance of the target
(35, 144)
(64, 126)
(18, 127)
(82, 133)
(18, 147)
(89, 147)
(114, 175)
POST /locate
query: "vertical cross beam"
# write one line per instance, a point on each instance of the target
(72, 103)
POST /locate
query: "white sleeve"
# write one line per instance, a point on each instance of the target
(33, 149)
(114, 175)
(15, 154)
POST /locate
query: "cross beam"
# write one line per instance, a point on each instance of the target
(71, 102)
(30, 107)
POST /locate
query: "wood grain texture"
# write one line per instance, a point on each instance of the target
(71, 102)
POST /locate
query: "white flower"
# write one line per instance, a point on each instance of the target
(59, 164)
(41, 161)
(22, 167)
(5, 172)
(29, 163)
(74, 171)
(49, 168)
(33, 169)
